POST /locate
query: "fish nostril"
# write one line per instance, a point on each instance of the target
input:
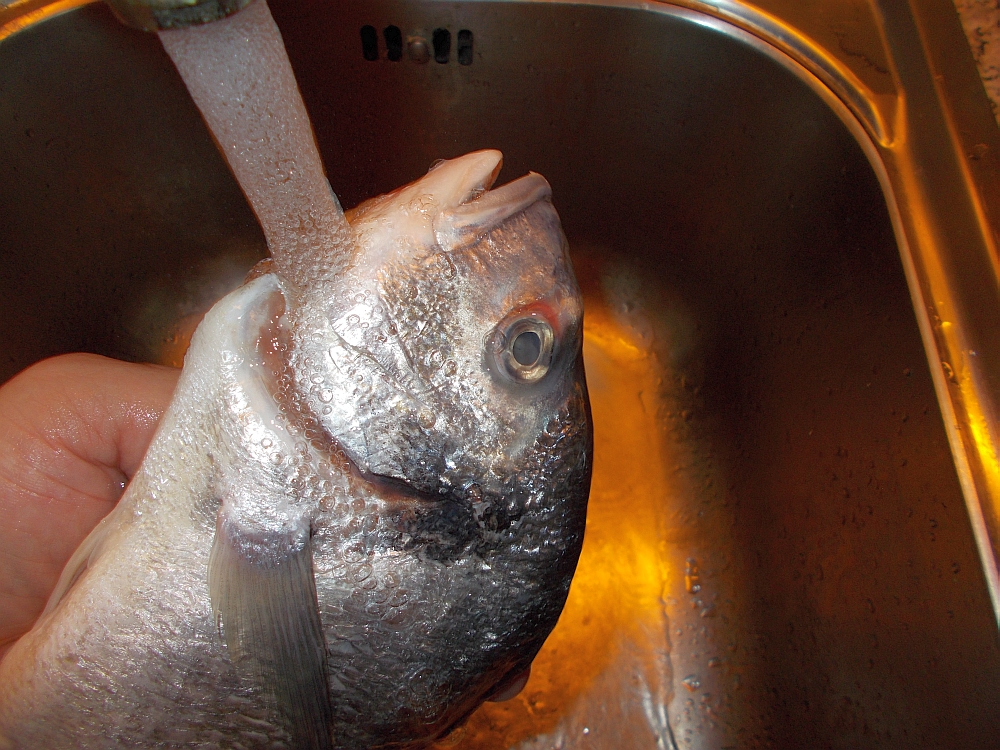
(393, 43)
(526, 348)
(369, 43)
(441, 39)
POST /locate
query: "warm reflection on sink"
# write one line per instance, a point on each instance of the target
(612, 640)
(778, 552)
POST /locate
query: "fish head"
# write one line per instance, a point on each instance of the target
(459, 340)
(446, 369)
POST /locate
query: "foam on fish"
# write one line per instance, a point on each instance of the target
(238, 73)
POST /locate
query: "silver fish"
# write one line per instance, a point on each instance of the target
(361, 512)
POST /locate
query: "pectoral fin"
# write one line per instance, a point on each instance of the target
(264, 596)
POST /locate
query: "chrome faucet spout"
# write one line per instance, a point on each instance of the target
(157, 15)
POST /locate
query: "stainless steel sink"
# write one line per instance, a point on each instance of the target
(780, 213)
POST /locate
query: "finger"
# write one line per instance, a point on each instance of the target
(73, 430)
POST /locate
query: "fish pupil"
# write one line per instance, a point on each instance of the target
(526, 348)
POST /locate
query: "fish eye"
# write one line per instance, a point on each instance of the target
(524, 349)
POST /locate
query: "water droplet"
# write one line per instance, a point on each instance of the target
(691, 682)
(326, 395)
(426, 418)
(266, 443)
(692, 579)
(353, 320)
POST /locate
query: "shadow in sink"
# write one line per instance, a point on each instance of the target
(778, 552)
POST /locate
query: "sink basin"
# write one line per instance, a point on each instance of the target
(779, 218)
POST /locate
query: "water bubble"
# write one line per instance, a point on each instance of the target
(426, 418)
(692, 579)
(353, 320)
(266, 443)
(450, 367)
(691, 682)
(362, 572)
(326, 395)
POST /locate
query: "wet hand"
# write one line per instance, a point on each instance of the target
(73, 431)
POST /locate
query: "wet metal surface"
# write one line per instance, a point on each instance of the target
(778, 550)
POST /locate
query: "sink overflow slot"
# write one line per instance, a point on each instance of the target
(393, 43)
(440, 41)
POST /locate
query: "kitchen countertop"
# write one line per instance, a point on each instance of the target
(981, 20)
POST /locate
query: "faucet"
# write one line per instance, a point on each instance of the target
(157, 15)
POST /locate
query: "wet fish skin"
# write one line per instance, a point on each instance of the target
(361, 512)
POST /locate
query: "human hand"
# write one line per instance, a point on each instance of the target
(73, 431)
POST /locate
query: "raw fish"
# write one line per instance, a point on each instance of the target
(361, 513)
